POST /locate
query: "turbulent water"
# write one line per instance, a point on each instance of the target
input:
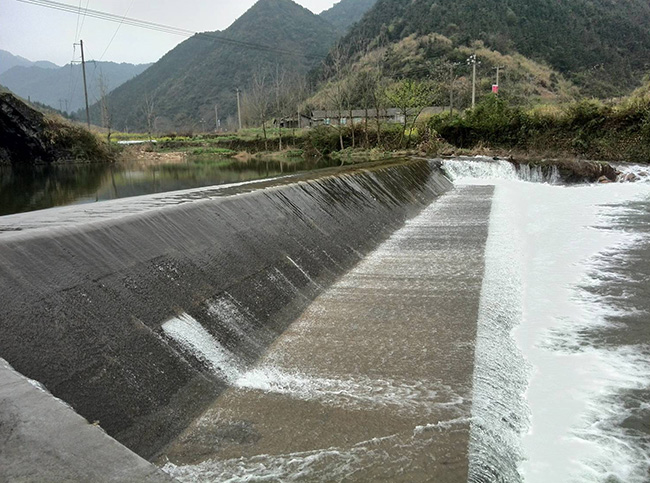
(501, 335)
(562, 372)
(485, 169)
(372, 382)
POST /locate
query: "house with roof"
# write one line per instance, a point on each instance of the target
(358, 116)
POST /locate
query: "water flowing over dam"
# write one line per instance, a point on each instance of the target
(456, 320)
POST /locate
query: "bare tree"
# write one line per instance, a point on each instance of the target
(280, 85)
(149, 111)
(258, 101)
(298, 91)
(366, 85)
(377, 93)
(335, 91)
(107, 118)
(350, 95)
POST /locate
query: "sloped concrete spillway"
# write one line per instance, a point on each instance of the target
(144, 314)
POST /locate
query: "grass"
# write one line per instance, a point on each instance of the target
(214, 151)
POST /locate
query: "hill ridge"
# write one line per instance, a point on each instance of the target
(201, 72)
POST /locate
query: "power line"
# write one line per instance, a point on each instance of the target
(117, 30)
(73, 79)
(158, 27)
(76, 30)
(83, 19)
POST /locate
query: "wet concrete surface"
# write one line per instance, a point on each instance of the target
(43, 439)
(373, 381)
(87, 291)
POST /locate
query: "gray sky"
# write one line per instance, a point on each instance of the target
(39, 33)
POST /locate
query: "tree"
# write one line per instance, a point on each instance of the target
(298, 92)
(282, 87)
(149, 112)
(369, 86)
(335, 90)
(107, 118)
(258, 100)
(410, 97)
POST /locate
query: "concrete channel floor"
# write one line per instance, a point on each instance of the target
(373, 382)
(43, 439)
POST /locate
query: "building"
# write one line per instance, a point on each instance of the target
(358, 116)
(294, 122)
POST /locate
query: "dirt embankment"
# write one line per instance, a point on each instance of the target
(29, 137)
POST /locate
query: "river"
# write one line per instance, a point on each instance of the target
(501, 335)
(377, 324)
(40, 187)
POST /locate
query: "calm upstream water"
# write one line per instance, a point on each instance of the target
(57, 185)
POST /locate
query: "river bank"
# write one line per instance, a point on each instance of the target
(571, 170)
(28, 137)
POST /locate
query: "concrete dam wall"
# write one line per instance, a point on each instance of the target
(89, 308)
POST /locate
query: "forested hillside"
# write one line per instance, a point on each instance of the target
(600, 45)
(441, 65)
(346, 13)
(181, 90)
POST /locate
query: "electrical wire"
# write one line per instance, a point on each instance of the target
(73, 79)
(76, 30)
(83, 19)
(160, 27)
(117, 30)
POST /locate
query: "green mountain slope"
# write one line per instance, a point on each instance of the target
(62, 87)
(346, 13)
(601, 45)
(184, 86)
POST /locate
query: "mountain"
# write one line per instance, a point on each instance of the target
(182, 89)
(9, 60)
(62, 87)
(431, 59)
(601, 45)
(346, 13)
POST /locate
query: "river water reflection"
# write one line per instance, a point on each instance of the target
(47, 186)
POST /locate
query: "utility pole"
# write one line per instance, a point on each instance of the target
(498, 69)
(216, 116)
(239, 108)
(472, 61)
(83, 69)
(451, 86)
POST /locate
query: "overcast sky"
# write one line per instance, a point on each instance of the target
(39, 33)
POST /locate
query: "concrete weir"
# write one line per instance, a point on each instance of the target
(147, 314)
(373, 382)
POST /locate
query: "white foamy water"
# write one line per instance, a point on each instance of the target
(323, 464)
(546, 245)
(351, 391)
(193, 337)
(637, 173)
(470, 171)
(499, 411)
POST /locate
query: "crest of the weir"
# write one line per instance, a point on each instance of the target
(83, 306)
